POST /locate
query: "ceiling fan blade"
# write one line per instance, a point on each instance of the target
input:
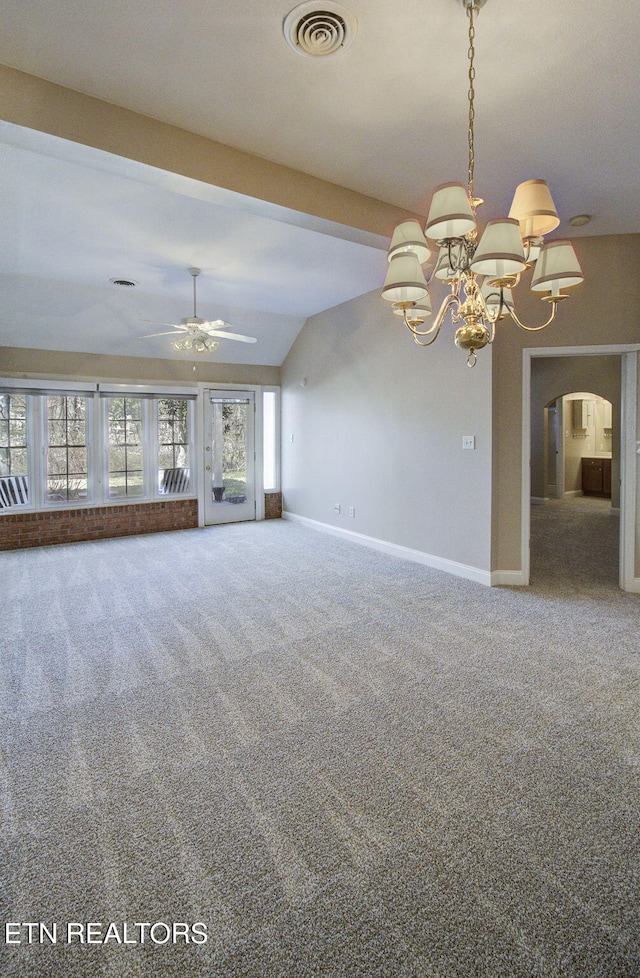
(231, 336)
(157, 323)
(166, 332)
(215, 324)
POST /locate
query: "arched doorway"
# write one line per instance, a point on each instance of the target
(575, 519)
(578, 448)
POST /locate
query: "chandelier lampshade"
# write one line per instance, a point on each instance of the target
(499, 252)
(557, 268)
(450, 214)
(405, 281)
(408, 236)
(534, 209)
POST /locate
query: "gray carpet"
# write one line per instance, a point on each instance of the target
(345, 765)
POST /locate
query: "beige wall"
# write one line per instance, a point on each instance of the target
(16, 362)
(379, 425)
(37, 104)
(602, 311)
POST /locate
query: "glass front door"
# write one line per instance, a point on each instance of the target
(229, 457)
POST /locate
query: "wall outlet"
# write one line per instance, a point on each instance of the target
(352, 511)
(468, 442)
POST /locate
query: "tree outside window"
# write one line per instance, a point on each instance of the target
(173, 444)
(14, 455)
(126, 450)
(67, 454)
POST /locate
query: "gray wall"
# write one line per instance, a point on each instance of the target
(380, 422)
(379, 426)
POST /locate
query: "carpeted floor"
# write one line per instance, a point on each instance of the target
(344, 765)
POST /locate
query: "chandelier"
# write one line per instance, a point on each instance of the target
(480, 273)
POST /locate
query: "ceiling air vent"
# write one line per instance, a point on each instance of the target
(123, 283)
(319, 28)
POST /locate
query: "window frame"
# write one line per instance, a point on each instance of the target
(97, 441)
(30, 418)
(40, 404)
(105, 441)
(190, 443)
(275, 391)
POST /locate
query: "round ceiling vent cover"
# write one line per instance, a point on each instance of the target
(123, 283)
(319, 28)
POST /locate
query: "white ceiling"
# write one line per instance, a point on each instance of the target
(556, 97)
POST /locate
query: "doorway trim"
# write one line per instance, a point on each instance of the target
(204, 392)
(628, 436)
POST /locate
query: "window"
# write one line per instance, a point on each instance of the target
(125, 423)
(14, 451)
(270, 440)
(67, 463)
(73, 444)
(174, 449)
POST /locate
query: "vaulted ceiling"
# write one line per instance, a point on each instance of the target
(386, 117)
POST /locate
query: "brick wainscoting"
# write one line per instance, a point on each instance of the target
(42, 529)
(272, 505)
(18, 530)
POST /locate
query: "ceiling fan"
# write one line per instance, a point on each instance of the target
(199, 335)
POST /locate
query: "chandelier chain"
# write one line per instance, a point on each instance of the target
(472, 75)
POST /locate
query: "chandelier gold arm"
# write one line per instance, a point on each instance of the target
(554, 300)
(437, 325)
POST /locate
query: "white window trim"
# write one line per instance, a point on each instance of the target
(97, 439)
(42, 443)
(277, 440)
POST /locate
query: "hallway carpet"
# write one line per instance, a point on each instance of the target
(341, 764)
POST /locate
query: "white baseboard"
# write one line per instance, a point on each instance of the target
(507, 578)
(538, 500)
(396, 550)
(573, 492)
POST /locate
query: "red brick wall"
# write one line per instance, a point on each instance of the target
(272, 505)
(41, 529)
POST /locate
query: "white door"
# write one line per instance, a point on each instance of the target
(229, 462)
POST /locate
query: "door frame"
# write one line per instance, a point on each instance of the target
(628, 442)
(558, 459)
(202, 420)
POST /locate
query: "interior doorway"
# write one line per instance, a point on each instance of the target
(612, 372)
(579, 448)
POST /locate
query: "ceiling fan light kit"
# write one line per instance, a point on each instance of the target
(480, 273)
(200, 333)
